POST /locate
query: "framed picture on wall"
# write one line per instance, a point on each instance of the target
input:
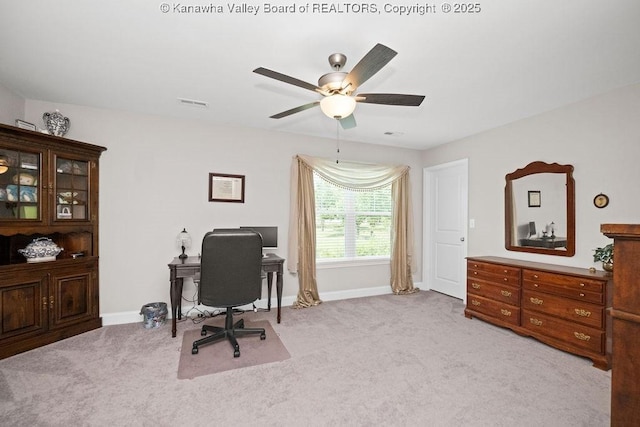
(226, 188)
(25, 125)
(534, 199)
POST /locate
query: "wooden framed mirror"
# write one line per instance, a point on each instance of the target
(539, 206)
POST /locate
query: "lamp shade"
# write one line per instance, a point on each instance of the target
(338, 106)
(184, 239)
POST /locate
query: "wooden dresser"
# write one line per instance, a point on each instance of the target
(564, 307)
(625, 315)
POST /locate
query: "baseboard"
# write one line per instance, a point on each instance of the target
(135, 316)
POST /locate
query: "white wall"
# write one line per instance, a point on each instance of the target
(11, 107)
(154, 182)
(600, 137)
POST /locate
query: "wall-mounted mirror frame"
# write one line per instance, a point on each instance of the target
(511, 235)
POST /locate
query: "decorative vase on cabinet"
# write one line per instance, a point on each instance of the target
(56, 123)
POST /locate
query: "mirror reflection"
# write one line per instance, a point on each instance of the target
(539, 209)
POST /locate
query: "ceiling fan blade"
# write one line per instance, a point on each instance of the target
(390, 99)
(348, 122)
(295, 110)
(287, 79)
(370, 64)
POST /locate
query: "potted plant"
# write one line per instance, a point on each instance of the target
(605, 255)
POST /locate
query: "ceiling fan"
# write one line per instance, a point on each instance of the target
(338, 87)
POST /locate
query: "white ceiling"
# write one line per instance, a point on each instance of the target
(512, 60)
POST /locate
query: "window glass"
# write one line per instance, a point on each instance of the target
(352, 224)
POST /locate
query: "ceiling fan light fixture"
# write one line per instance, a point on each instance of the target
(338, 106)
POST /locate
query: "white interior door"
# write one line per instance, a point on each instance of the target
(445, 243)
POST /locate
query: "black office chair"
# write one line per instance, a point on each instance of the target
(230, 276)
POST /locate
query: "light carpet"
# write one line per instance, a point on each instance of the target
(218, 356)
(389, 360)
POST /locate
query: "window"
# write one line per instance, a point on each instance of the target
(352, 224)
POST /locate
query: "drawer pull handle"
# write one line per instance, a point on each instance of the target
(536, 301)
(535, 276)
(582, 312)
(582, 285)
(474, 302)
(506, 279)
(505, 271)
(505, 293)
(581, 336)
(505, 312)
(535, 321)
(475, 265)
(475, 285)
(581, 294)
(535, 285)
(475, 273)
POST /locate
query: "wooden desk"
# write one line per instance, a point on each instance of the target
(190, 267)
(545, 242)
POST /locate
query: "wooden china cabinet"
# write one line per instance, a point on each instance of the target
(48, 189)
(625, 314)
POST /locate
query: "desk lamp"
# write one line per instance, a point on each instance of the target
(184, 241)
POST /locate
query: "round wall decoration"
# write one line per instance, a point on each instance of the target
(601, 200)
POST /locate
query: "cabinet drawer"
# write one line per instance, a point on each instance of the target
(576, 311)
(505, 312)
(493, 291)
(497, 274)
(501, 270)
(570, 282)
(571, 333)
(570, 292)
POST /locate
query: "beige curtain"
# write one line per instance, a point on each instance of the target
(402, 238)
(302, 234)
(352, 175)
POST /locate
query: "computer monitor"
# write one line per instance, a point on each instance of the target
(269, 235)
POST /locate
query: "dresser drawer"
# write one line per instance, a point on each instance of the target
(490, 290)
(573, 334)
(498, 269)
(494, 273)
(569, 309)
(504, 312)
(564, 281)
(569, 291)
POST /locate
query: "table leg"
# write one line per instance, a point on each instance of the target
(279, 292)
(269, 286)
(176, 296)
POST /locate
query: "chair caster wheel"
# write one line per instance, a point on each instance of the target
(194, 350)
(203, 333)
(236, 353)
(263, 337)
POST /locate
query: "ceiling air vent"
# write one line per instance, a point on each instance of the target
(193, 103)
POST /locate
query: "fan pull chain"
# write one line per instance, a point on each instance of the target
(337, 140)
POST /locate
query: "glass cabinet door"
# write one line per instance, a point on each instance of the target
(72, 189)
(19, 174)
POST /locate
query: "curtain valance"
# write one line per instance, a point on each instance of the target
(354, 175)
